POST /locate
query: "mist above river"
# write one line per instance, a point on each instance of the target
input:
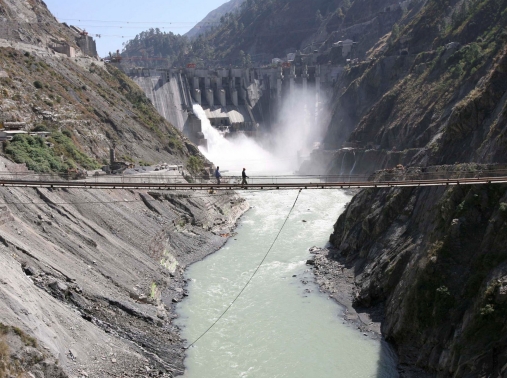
(298, 128)
(240, 152)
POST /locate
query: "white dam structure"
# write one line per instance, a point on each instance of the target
(235, 100)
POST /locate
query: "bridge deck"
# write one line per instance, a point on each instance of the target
(160, 185)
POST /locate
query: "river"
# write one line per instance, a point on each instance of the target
(281, 325)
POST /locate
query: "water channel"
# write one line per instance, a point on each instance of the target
(282, 325)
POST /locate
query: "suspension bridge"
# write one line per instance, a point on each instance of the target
(295, 182)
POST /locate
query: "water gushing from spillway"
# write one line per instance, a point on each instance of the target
(300, 125)
(354, 165)
(239, 152)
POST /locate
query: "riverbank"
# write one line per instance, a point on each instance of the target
(93, 275)
(336, 278)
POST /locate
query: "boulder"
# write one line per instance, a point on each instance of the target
(58, 286)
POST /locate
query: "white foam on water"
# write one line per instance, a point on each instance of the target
(240, 152)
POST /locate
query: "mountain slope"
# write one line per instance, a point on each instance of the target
(433, 97)
(89, 278)
(96, 105)
(440, 102)
(213, 18)
(265, 29)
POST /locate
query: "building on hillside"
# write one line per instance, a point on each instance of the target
(346, 46)
(115, 167)
(12, 125)
(62, 47)
(9, 134)
(85, 42)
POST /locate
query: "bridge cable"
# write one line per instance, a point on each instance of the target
(252, 276)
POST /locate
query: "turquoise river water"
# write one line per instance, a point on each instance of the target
(280, 326)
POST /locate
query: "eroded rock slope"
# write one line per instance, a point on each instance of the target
(436, 258)
(92, 275)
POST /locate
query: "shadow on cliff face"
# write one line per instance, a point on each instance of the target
(436, 258)
(386, 357)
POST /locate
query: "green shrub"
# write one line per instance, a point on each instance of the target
(395, 31)
(64, 145)
(40, 128)
(194, 164)
(39, 157)
(175, 144)
(153, 291)
(26, 339)
(4, 329)
(487, 310)
(37, 84)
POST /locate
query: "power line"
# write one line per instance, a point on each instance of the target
(254, 273)
(130, 27)
(140, 22)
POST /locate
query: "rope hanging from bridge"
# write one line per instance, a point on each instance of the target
(252, 276)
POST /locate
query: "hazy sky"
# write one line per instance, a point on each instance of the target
(117, 21)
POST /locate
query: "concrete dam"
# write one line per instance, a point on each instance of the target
(235, 100)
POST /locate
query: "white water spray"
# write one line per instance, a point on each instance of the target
(354, 165)
(240, 152)
(299, 127)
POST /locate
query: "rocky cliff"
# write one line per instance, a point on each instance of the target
(436, 259)
(95, 104)
(30, 21)
(432, 261)
(430, 92)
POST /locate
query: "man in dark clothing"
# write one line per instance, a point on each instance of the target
(244, 176)
(218, 175)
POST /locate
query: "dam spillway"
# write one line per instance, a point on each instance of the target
(243, 100)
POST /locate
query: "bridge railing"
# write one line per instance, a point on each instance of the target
(175, 177)
(381, 176)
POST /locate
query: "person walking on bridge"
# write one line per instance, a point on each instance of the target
(218, 175)
(244, 177)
